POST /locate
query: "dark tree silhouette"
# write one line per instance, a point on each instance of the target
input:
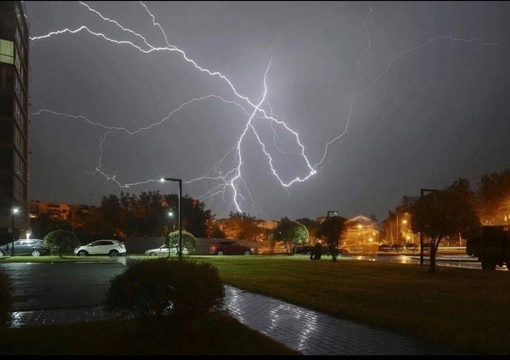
(331, 230)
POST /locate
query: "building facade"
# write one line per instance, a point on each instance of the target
(14, 121)
(56, 210)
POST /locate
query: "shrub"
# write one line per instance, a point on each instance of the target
(165, 287)
(5, 301)
(189, 241)
(61, 241)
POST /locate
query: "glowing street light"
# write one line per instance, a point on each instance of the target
(179, 211)
(15, 211)
(171, 216)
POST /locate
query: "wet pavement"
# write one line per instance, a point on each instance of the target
(307, 331)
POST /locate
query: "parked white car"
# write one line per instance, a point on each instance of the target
(102, 247)
(163, 251)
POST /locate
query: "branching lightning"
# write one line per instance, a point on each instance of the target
(229, 186)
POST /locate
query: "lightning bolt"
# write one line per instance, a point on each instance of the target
(230, 183)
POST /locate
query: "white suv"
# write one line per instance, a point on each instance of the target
(101, 247)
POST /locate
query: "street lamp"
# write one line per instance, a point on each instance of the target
(171, 216)
(179, 211)
(14, 212)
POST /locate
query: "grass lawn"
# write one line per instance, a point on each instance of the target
(466, 309)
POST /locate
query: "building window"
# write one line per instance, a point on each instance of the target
(18, 190)
(18, 116)
(19, 166)
(19, 91)
(6, 51)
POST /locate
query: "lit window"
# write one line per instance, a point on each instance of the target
(6, 51)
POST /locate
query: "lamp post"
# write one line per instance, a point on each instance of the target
(179, 211)
(14, 212)
(334, 212)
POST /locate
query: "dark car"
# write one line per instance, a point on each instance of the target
(303, 249)
(33, 247)
(326, 250)
(229, 248)
(385, 247)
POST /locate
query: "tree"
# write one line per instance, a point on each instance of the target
(214, 231)
(195, 217)
(311, 226)
(290, 232)
(331, 230)
(443, 213)
(243, 226)
(61, 240)
(493, 196)
(188, 241)
(45, 223)
(75, 219)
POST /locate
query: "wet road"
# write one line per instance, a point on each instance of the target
(60, 284)
(455, 260)
(451, 260)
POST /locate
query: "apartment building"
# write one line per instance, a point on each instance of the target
(14, 121)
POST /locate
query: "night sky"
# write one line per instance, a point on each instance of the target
(363, 101)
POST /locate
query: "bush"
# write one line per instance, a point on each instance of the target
(165, 287)
(5, 301)
(189, 241)
(61, 241)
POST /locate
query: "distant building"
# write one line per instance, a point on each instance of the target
(361, 232)
(266, 228)
(55, 210)
(14, 120)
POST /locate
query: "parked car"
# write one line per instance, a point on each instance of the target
(163, 251)
(33, 247)
(326, 250)
(397, 247)
(385, 247)
(303, 249)
(230, 248)
(102, 247)
(412, 247)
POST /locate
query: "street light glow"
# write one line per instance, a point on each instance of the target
(15, 210)
(179, 211)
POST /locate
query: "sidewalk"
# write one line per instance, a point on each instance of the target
(306, 331)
